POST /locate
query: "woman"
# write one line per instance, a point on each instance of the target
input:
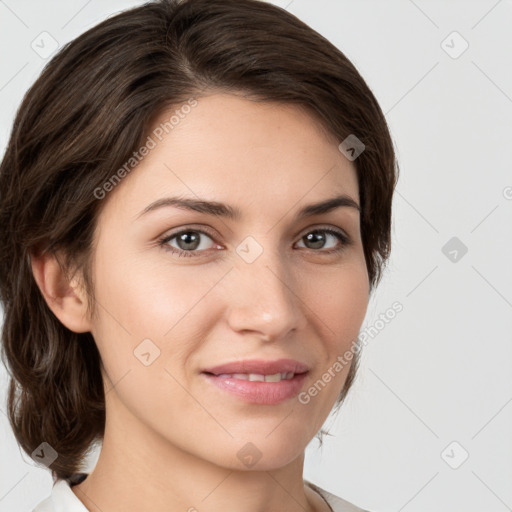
(195, 207)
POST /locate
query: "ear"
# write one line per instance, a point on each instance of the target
(67, 300)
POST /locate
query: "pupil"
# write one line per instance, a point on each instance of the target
(188, 238)
(316, 238)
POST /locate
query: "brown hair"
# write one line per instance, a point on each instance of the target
(86, 114)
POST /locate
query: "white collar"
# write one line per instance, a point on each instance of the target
(63, 499)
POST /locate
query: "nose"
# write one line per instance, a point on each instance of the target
(264, 298)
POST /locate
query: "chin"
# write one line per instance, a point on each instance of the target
(260, 453)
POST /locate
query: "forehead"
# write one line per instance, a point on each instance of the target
(227, 148)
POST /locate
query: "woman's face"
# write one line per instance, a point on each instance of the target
(256, 285)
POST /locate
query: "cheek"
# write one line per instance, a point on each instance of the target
(164, 302)
(340, 299)
(149, 296)
(148, 325)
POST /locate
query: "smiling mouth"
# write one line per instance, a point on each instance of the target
(258, 389)
(255, 377)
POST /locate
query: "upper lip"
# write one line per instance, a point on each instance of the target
(260, 367)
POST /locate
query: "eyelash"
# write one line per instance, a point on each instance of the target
(163, 242)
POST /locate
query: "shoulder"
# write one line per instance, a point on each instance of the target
(62, 498)
(337, 504)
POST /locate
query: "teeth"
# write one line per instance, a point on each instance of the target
(274, 378)
(258, 377)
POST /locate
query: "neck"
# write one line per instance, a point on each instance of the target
(139, 470)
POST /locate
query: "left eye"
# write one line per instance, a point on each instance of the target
(318, 237)
(189, 241)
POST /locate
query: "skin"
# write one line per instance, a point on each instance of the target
(171, 438)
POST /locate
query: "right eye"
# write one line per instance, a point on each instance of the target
(188, 241)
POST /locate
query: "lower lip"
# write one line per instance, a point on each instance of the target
(257, 392)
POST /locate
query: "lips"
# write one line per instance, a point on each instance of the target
(257, 392)
(259, 367)
(257, 381)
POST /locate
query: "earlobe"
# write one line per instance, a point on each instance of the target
(64, 297)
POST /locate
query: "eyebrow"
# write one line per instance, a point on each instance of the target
(223, 210)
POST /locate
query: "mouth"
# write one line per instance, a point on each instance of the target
(278, 369)
(256, 377)
(258, 389)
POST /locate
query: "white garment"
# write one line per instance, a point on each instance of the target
(63, 499)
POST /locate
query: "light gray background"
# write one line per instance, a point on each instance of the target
(440, 371)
